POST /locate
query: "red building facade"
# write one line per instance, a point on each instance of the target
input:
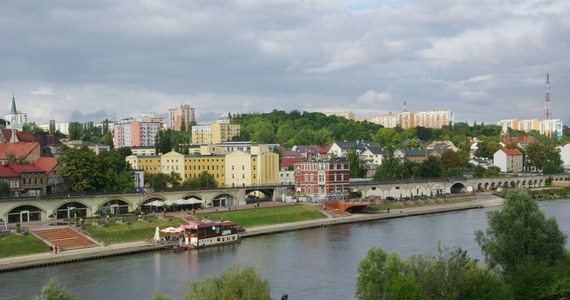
(326, 180)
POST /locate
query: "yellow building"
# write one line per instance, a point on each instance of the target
(215, 133)
(407, 119)
(266, 168)
(172, 162)
(150, 164)
(194, 165)
(245, 169)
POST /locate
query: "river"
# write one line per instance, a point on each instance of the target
(317, 263)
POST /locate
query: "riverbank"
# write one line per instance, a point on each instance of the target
(46, 259)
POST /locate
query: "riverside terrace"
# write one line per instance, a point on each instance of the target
(23, 210)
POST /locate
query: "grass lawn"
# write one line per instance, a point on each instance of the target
(12, 244)
(268, 216)
(135, 231)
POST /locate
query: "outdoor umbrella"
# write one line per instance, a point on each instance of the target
(157, 234)
(171, 230)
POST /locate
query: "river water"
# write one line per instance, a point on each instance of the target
(308, 264)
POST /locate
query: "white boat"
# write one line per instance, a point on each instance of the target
(212, 233)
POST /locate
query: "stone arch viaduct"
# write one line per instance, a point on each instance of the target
(22, 210)
(399, 189)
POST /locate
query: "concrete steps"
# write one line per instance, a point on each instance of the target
(65, 238)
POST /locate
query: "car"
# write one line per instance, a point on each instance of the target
(240, 229)
(390, 198)
(406, 198)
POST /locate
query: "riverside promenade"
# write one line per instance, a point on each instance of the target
(47, 259)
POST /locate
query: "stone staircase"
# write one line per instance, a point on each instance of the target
(66, 238)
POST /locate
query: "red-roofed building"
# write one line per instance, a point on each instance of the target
(48, 143)
(508, 160)
(32, 180)
(11, 177)
(54, 179)
(287, 162)
(20, 151)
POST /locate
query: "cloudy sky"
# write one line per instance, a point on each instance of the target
(91, 60)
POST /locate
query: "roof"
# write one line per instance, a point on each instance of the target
(375, 149)
(324, 149)
(26, 169)
(47, 163)
(414, 152)
(19, 150)
(289, 161)
(512, 152)
(6, 172)
(289, 153)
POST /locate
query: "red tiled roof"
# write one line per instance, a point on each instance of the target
(26, 169)
(512, 152)
(324, 149)
(289, 161)
(47, 163)
(19, 150)
(6, 172)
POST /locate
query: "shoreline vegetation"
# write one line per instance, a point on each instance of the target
(124, 229)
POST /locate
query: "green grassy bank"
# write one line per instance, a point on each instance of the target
(268, 216)
(13, 244)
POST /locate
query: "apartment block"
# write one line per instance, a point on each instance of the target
(548, 127)
(409, 119)
(214, 133)
(140, 132)
(183, 114)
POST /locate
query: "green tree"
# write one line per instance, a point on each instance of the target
(520, 238)
(85, 171)
(552, 161)
(5, 190)
(204, 179)
(53, 291)
(357, 166)
(390, 167)
(233, 284)
(452, 274)
(430, 168)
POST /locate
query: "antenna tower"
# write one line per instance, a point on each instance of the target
(547, 110)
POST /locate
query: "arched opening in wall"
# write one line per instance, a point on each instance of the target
(25, 214)
(153, 204)
(486, 185)
(224, 200)
(71, 210)
(458, 187)
(114, 207)
(523, 183)
(513, 184)
(480, 187)
(258, 195)
(493, 186)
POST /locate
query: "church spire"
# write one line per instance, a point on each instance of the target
(13, 110)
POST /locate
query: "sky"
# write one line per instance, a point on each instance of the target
(91, 60)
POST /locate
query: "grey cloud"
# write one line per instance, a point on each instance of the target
(124, 58)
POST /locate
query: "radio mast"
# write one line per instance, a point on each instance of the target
(547, 110)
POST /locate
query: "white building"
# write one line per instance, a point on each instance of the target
(565, 155)
(15, 119)
(508, 160)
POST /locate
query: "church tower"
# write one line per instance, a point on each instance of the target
(15, 119)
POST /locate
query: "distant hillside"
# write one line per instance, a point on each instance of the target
(301, 128)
